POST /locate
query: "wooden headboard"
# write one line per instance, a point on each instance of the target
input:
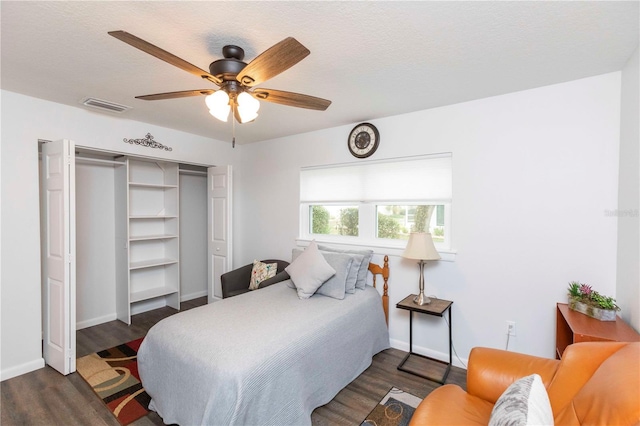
(384, 271)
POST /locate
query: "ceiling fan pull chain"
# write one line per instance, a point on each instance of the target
(233, 127)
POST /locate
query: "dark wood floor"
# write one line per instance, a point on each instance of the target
(45, 397)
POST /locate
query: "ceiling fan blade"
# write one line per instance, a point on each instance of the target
(164, 55)
(291, 99)
(174, 95)
(276, 59)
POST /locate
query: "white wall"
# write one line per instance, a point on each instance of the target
(95, 245)
(24, 121)
(533, 172)
(628, 285)
(193, 236)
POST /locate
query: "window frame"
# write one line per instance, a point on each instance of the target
(367, 207)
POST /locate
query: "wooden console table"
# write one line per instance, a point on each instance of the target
(574, 327)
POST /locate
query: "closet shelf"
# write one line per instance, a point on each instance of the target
(151, 263)
(139, 296)
(152, 237)
(149, 209)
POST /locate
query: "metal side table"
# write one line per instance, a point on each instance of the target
(437, 307)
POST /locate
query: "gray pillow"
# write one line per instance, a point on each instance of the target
(335, 286)
(361, 281)
(309, 271)
(352, 278)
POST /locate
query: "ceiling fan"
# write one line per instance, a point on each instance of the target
(236, 80)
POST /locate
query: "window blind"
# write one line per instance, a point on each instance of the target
(425, 178)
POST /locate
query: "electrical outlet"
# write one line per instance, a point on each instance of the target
(511, 328)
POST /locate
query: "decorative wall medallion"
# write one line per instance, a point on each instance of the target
(148, 142)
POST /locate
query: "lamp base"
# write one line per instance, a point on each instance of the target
(421, 299)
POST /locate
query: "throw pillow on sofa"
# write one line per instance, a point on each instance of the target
(260, 272)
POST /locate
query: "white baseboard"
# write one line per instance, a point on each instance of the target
(441, 356)
(137, 308)
(96, 321)
(185, 297)
(18, 370)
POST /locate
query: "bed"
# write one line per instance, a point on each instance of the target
(262, 358)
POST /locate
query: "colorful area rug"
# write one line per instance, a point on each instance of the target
(113, 375)
(395, 409)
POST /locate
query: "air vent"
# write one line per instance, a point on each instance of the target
(105, 105)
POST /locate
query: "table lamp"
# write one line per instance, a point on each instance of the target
(420, 247)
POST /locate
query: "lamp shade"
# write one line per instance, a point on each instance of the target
(421, 247)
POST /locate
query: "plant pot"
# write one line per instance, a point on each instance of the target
(592, 311)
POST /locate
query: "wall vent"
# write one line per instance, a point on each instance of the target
(105, 105)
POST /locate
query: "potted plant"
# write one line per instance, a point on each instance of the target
(584, 299)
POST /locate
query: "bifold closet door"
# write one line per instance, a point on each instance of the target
(59, 292)
(219, 249)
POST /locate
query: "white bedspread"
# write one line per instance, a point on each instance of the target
(261, 358)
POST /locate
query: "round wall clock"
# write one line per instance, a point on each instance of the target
(363, 140)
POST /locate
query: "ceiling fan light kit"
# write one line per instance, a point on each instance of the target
(248, 107)
(218, 104)
(236, 79)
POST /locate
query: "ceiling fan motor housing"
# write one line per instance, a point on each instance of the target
(231, 65)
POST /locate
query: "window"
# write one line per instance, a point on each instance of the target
(397, 222)
(377, 202)
(333, 220)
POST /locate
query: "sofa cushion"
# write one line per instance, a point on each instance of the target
(525, 402)
(464, 409)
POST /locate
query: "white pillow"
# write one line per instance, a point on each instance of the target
(340, 283)
(260, 272)
(309, 271)
(524, 402)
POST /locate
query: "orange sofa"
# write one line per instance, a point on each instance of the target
(595, 383)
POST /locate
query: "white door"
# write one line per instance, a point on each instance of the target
(59, 272)
(218, 228)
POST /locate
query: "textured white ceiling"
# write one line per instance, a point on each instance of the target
(372, 59)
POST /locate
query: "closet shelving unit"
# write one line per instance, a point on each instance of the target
(149, 233)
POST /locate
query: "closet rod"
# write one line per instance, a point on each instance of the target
(98, 161)
(191, 172)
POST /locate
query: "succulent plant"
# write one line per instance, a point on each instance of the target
(585, 290)
(585, 294)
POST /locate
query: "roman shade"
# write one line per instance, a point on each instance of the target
(411, 179)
